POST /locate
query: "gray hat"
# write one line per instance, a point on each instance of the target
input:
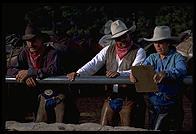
(118, 28)
(107, 27)
(162, 33)
(105, 42)
(32, 31)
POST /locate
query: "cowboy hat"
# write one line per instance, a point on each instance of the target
(107, 26)
(162, 33)
(32, 31)
(118, 28)
(104, 42)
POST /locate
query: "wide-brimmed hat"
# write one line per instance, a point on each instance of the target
(162, 33)
(118, 28)
(107, 27)
(32, 31)
(105, 42)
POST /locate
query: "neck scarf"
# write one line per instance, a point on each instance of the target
(36, 58)
(121, 52)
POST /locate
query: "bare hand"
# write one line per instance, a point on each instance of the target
(22, 75)
(159, 76)
(112, 74)
(30, 82)
(71, 76)
(132, 78)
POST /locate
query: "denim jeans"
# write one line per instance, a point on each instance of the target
(168, 117)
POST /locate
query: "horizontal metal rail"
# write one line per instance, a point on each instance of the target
(88, 80)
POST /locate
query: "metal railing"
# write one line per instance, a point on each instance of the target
(88, 80)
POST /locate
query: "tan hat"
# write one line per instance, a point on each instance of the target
(162, 33)
(118, 28)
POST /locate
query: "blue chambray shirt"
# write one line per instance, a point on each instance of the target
(175, 66)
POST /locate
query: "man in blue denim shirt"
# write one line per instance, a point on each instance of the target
(166, 112)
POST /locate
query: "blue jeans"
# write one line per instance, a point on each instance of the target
(168, 117)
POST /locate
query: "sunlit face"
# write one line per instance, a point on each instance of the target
(123, 40)
(34, 45)
(162, 47)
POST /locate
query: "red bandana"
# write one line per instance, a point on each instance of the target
(36, 58)
(121, 52)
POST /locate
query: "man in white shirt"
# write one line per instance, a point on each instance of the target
(124, 106)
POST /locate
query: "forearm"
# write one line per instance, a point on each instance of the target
(12, 71)
(178, 71)
(175, 73)
(16, 66)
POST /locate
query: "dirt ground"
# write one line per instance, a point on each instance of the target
(91, 98)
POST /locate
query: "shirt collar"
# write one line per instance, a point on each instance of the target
(168, 55)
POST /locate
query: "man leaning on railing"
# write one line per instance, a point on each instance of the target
(123, 106)
(37, 60)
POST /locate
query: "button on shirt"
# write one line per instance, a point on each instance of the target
(175, 67)
(99, 61)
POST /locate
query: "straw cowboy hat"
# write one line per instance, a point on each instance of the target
(107, 27)
(119, 28)
(162, 33)
(32, 31)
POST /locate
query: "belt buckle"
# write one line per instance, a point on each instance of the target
(48, 92)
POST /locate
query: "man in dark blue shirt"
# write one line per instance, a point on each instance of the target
(37, 61)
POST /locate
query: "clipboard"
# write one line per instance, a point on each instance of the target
(144, 76)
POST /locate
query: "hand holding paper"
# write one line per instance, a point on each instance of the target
(143, 76)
